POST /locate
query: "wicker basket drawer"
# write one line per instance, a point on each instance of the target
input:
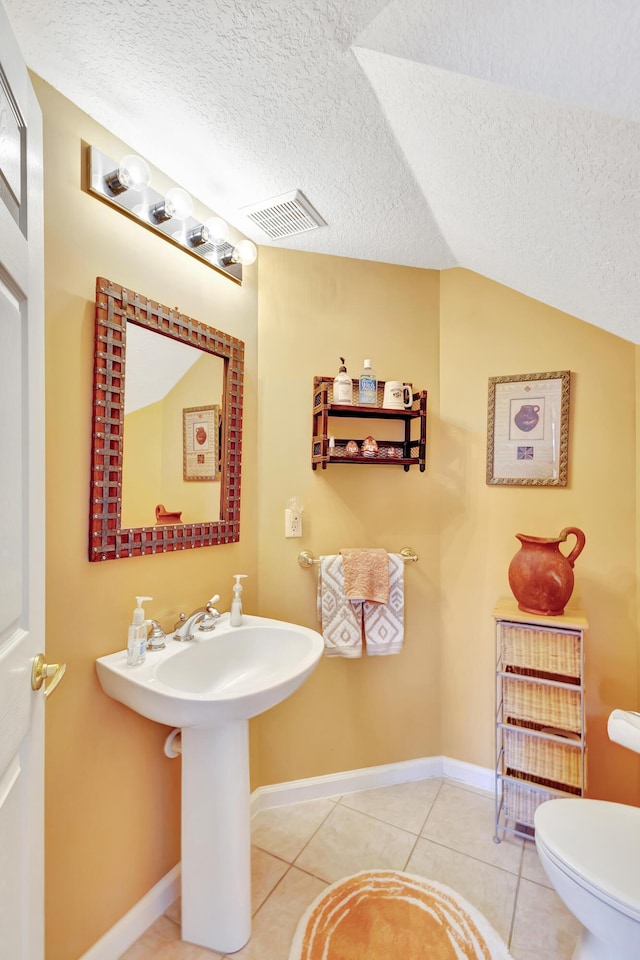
(520, 801)
(560, 763)
(529, 649)
(541, 706)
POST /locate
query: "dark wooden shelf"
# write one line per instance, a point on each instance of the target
(370, 413)
(410, 451)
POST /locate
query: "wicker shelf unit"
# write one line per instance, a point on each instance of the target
(406, 449)
(540, 713)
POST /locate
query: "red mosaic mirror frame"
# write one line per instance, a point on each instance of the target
(115, 305)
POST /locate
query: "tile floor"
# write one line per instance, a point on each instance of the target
(440, 829)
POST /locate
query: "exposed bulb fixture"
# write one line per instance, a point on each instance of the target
(177, 204)
(247, 252)
(244, 252)
(214, 230)
(126, 185)
(218, 231)
(133, 173)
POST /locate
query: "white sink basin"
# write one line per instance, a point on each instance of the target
(210, 687)
(232, 673)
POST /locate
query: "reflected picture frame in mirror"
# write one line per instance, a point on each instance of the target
(108, 540)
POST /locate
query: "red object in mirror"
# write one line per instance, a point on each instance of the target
(167, 516)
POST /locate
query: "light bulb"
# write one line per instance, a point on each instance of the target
(133, 173)
(217, 231)
(178, 203)
(247, 252)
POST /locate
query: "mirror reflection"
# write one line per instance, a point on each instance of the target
(171, 447)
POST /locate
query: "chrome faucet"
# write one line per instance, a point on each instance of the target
(156, 636)
(205, 618)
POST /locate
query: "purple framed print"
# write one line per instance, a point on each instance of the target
(528, 429)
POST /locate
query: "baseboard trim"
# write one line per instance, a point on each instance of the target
(469, 773)
(134, 923)
(349, 781)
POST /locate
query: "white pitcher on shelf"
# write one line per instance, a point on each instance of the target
(397, 395)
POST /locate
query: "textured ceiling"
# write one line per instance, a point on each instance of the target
(501, 135)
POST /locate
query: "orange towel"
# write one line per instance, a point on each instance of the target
(366, 574)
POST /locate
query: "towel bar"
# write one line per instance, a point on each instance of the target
(307, 559)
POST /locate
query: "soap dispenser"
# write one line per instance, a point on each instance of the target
(137, 639)
(235, 618)
(342, 386)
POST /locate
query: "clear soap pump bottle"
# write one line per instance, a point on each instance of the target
(137, 637)
(235, 618)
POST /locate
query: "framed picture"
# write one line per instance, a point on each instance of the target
(200, 460)
(528, 429)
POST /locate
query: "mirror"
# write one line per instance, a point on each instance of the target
(166, 448)
(172, 405)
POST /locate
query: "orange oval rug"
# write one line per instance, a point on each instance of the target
(386, 914)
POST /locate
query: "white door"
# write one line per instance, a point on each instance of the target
(21, 508)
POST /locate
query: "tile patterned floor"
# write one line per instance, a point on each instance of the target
(440, 829)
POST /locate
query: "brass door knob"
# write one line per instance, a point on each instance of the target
(41, 671)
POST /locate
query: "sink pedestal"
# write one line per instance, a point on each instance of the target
(216, 836)
(208, 689)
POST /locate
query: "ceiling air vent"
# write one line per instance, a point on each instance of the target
(284, 216)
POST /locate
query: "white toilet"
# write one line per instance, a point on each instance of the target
(590, 851)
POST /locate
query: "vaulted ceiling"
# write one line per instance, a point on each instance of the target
(498, 135)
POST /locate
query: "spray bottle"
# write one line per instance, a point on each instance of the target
(235, 618)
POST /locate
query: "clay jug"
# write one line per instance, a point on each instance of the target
(540, 576)
(527, 417)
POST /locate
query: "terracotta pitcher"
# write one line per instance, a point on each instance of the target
(540, 576)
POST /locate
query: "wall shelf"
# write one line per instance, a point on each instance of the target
(408, 451)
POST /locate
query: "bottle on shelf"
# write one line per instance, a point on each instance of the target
(368, 386)
(342, 386)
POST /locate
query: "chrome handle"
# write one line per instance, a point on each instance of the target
(41, 671)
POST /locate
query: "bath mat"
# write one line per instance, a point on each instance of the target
(388, 915)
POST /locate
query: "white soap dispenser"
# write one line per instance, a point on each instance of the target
(235, 618)
(342, 386)
(137, 639)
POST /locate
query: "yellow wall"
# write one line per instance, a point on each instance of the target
(312, 310)
(447, 333)
(490, 330)
(142, 466)
(112, 797)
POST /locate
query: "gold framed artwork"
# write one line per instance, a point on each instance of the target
(528, 429)
(200, 459)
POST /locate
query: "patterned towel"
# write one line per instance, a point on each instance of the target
(341, 618)
(384, 622)
(344, 621)
(366, 574)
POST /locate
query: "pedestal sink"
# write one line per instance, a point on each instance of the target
(210, 687)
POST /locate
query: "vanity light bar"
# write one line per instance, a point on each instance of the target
(163, 215)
